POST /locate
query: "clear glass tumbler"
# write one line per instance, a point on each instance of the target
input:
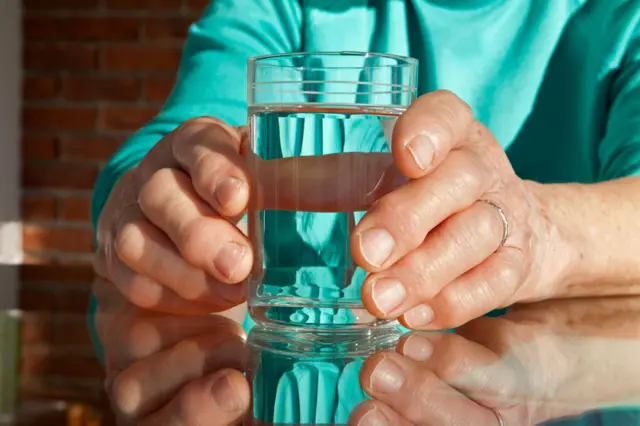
(320, 131)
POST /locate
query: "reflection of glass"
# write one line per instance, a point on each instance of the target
(309, 379)
(302, 213)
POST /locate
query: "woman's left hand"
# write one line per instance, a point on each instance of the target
(463, 237)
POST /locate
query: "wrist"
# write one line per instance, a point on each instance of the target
(558, 248)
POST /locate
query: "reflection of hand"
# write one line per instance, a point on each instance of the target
(538, 363)
(431, 244)
(164, 370)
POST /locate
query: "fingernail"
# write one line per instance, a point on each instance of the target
(225, 396)
(422, 151)
(227, 190)
(387, 294)
(419, 316)
(417, 348)
(376, 246)
(229, 258)
(373, 418)
(386, 377)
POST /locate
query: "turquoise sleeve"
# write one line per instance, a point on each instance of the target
(619, 151)
(211, 80)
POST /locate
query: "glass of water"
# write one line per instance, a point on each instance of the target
(320, 134)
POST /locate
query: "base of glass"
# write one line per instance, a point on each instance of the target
(314, 317)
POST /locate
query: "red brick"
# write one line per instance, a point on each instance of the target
(75, 209)
(58, 273)
(68, 57)
(75, 300)
(36, 300)
(58, 176)
(59, 4)
(58, 118)
(141, 58)
(38, 207)
(69, 240)
(88, 148)
(49, 363)
(38, 147)
(144, 5)
(72, 330)
(170, 28)
(31, 259)
(84, 88)
(41, 87)
(36, 327)
(126, 118)
(158, 89)
(81, 28)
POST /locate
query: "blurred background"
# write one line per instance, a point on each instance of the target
(76, 78)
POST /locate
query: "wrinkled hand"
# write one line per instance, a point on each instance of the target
(548, 361)
(167, 236)
(165, 370)
(430, 245)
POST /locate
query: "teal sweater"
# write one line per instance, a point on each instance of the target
(557, 81)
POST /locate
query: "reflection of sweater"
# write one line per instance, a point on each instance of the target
(557, 81)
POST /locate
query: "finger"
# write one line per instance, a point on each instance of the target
(210, 153)
(399, 222)
(153, 381)
(216, 145)
(149, 252)
(432, 126)
(492, 284)
(457, 245)
(344, 182)
(374, 413)
(203, 238)
(216, 400)
(418, 394)
(472, 369)
(146, 293)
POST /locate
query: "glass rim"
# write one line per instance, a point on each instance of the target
(403, 61)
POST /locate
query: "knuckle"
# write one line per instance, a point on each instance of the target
(452, 105)
(129, 243)
(195, 242)
(420, 270)
(451, 308)
(153, 192)
(502, 273)
(409, 226)
(470, 178)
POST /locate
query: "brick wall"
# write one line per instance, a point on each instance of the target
(94, 71)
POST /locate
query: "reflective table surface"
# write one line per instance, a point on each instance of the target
(566, 362)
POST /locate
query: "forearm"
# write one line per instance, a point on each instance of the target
(592, 243)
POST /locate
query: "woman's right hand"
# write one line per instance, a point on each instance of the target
(155, 232)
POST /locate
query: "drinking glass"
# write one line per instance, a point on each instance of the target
(320, 131)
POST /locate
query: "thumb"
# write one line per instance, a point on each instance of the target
(344, 182)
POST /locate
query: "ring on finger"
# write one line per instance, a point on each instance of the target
(499, 417)
(505, 223)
